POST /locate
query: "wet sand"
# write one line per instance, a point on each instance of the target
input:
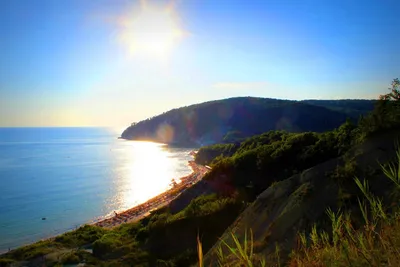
(138, 212)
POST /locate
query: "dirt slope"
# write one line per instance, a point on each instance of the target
(295, 204)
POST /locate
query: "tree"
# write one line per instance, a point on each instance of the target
(385, 116)
(394, 95)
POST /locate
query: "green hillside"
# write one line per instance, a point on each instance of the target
(351, 107)
(236, 118)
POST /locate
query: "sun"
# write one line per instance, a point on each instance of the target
(151, 30)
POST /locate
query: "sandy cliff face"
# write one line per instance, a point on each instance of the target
(295, 204)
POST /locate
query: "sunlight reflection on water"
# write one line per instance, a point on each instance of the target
(73, 176)
(147, 172)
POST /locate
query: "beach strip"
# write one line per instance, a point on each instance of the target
(138, 212)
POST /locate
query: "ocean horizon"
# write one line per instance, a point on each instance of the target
(55, 179)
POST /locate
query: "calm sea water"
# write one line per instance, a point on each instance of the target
(72, 176)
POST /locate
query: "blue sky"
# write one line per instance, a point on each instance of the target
(63, 62)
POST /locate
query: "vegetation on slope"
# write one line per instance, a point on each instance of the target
(374, 243)
(162, 239)
(262, 160)
(352, 107)
(236, 118)
(296, 202)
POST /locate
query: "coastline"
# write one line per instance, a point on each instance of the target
(142, 210)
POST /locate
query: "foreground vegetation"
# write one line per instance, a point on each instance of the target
(240, 172)
(162, 238)
(368, 236)
(375, 242)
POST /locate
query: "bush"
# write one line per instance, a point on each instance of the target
(134, 258)
(35, 250)
(5, 262)
(106, 244)
(70, 258)
(84, 235)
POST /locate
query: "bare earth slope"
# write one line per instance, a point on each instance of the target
(295, 204)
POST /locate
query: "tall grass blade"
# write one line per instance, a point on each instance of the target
(200, 251)
(277, 254)
(242, 254)
(220, 254)
(245, 241)
(232, 250)
(364, 210)
(263, 263)
(252, 243)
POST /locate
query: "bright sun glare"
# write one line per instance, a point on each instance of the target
(148, 175)
(153, 30)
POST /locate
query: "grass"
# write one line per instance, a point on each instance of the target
(392, 169)
(243, 254)
(375, 243)
(33, 251)
(239, 254)
(70, 258)
(368, 246)
(84, 235)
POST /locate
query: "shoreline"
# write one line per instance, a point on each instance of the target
(142, 210)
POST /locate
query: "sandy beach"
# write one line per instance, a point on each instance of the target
(138, 212)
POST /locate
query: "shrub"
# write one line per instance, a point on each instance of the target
(70, 258)
(5, 262)
(106, 244)
(82, 236)
(35, 250)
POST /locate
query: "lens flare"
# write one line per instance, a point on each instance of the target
(165, 133)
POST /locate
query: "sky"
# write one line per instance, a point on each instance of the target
(111, 62)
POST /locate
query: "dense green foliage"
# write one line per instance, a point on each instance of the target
(214, 152)
(353, 108)
(386, 114)
(261, 160)
(234, 119)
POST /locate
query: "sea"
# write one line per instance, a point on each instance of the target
(53, 180)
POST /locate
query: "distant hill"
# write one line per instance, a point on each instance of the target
(232, 119)
(351, 107)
